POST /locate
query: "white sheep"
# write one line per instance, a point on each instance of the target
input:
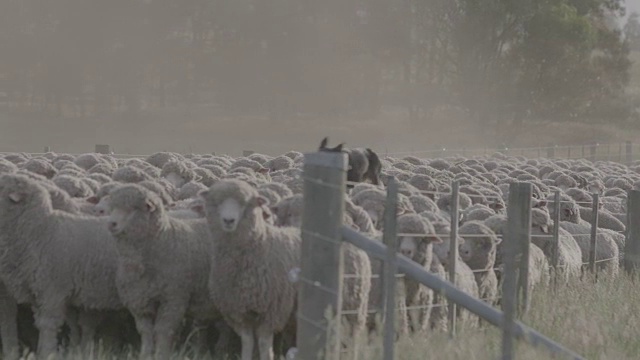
(255, 298)
(66, 260)
(163, 266)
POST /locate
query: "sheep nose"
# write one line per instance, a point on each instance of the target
(229, 221)
(407, 253)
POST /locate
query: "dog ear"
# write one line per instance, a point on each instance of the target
(323, 143)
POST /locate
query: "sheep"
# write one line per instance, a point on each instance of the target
(606, 247)
(416, 237)
(465, 279)
(373, 202)
(100, 178)
(207, 178)
(605, 219)
(190, 190)
(178, 173)
(256, 299)
(101, 168)
(477, 212)
(159, 159)
(40, 167)
(7, 167)
(130, 174)
(538, 263)
(422, 203)
(163, 266)
(87, 161)
(279, 163)
(157, 189)
(479, 252)
(67, 260)
(73, 186)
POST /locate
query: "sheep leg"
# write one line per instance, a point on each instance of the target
(144, 325)
(246, 337)
(167, 322)
(74, 329)
(265, 343)
(48, 319)
(88, 322)
(8, 324)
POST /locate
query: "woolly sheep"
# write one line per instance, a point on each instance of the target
(130, 174)
(190, 190)
(73, 186)
(538, 263)
(75, 258)
(87, 161)
(479, 252)
(207, 178)
(416, 237)
(40, 167)
(279, 163)
(159, 159)
(163, 266)
(258, 288)
(100, 178)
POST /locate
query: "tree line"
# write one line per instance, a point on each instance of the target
(509, 60)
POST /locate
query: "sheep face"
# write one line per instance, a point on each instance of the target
(102, 207)
(479, 247)
(408, 246)
(231, 203)
(133, 210)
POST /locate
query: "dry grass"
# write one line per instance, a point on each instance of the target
(597, 320)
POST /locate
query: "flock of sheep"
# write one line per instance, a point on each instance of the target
(178, 243)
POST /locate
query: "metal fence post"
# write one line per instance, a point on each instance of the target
(556, 236)
(551, 151)
(518, 237)
(632, 242)
(321, 266)
(390, 239)
(593, 148)
(453, 253)
(594, 233)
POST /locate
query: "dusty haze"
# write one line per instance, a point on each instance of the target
(211, 76)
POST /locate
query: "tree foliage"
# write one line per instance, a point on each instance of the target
(498, 59)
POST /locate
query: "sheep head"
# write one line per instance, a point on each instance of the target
(479, 247)
(20, 193)
(418, 235)
(230, 203)
(133, 209)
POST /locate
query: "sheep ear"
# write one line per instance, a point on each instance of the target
(151, 207)
(544, 229)
(263, 170)
(266, 215)
(434, 239)
(198, 208)
(338, 148)
(568, 212)
(15, 197)
(261, 201)
(203, 194)
(542, 203)
(93, 200)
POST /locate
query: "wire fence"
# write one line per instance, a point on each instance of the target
(515, 240)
